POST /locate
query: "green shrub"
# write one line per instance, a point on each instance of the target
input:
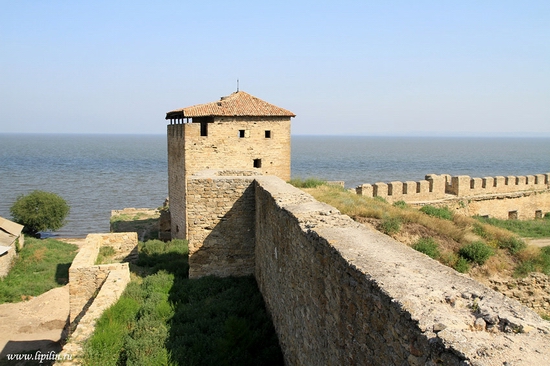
(512, 244)
(477, 252)
(442, 213)
(427, 246)
(400, 204)
(390, 225)
(40, 211)
(461, 265)
(307, 183)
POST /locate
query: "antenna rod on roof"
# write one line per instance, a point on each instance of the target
(237, 84)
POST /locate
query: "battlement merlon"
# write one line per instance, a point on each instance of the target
(436, 187)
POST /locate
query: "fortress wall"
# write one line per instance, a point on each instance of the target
(432, 188)
(340, 293)
(523, 205)
(463, 185)
(220, 212)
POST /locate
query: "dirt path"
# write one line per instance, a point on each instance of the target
(36, 324)
(544, 242)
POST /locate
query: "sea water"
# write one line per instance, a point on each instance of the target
(99, 173)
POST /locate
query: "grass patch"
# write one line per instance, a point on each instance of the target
(105, 255)
(439, 212)
(427, 246)
(307, 183)
(535, 260)
(539, 228)
(164, 318)
(40, 266)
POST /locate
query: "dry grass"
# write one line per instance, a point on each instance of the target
(450, 235)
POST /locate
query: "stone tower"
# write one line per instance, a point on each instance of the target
(238, 132)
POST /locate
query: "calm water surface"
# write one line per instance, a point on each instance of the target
(100, 173)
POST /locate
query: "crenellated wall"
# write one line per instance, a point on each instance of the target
(341, 294)
(431, 188)
(521, 197)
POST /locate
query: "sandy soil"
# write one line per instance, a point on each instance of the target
(35, 324)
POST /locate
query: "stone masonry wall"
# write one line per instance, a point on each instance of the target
(111, 289)
(526, 205)
(220, 214)
(341, 294)
(6, 260)
(86, 278)
(521, 197)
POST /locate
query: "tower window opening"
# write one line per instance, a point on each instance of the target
(204, 128)
(241, 133)
(267, 134)
(257, 163)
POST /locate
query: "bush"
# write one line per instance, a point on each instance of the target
(40, 211)
(400, 204)
(461, 265)
(477, 252)
(390, 225)
(442, 213)
(427, 246)
(513, 244)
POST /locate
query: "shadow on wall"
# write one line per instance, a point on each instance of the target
(228, 248)
(62, 273)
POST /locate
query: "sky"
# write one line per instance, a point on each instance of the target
(419, 68)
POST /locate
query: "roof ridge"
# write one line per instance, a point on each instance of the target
(238, 103)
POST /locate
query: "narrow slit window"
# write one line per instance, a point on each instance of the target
(257, 163)
(241, 133)
(267, 134)
(204, 128)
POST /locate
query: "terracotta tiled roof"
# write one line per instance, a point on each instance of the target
(237, 104)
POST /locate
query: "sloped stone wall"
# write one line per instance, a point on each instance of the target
(341, 294)
(86, 278)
